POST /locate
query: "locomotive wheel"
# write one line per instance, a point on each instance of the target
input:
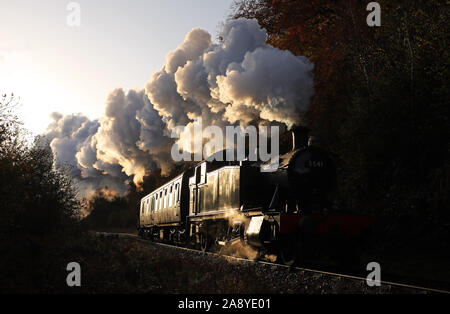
(204, 242)
(149, 234)
(288, 255)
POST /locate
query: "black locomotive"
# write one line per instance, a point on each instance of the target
(284, 213)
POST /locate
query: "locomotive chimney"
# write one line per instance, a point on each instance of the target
(299, 137)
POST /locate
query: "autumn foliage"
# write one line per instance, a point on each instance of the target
(381, 96)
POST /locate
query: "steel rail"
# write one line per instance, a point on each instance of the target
(309, 270)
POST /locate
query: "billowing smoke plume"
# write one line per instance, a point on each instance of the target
(239, 81)
(72, 135)
(125, 144)
(131, 134)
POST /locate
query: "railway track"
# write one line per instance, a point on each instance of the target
(308, 270)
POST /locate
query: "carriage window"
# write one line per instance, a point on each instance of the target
(160, 200)
(142, 207)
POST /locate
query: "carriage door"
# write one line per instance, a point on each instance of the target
(152, 210)
(196, 190)
(141, 214)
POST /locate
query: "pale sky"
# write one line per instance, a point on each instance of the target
(119, 43)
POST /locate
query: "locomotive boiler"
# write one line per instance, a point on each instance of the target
(284, 213)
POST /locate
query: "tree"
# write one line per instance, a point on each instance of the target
(34, 196)
(381, 96)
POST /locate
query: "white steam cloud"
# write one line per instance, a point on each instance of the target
(239, 81)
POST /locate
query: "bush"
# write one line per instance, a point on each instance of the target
(38, 207)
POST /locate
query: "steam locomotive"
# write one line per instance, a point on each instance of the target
(286, 213)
